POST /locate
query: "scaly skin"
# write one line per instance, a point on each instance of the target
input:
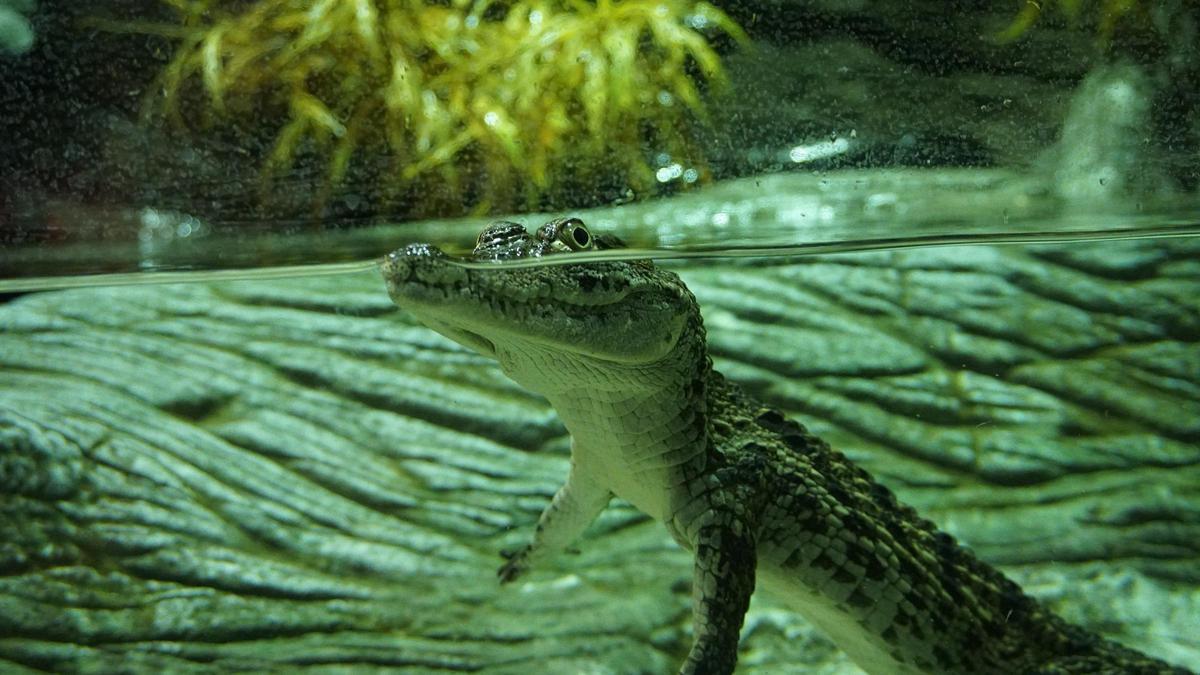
(619, 349)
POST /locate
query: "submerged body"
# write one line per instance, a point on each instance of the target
(618, 348)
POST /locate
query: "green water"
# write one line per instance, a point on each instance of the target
(683, 252)
(775, 216)
(287, 472)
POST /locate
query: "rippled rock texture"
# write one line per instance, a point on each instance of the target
(290, 474)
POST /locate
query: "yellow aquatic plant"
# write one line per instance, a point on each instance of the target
(1110, 14)
(492, 101)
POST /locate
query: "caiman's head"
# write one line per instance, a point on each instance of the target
(548, 322)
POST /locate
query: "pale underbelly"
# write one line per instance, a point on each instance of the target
(862, 646)
(645, 491)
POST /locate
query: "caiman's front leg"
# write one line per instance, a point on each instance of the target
(723, 581)
(720, 523)
(574, 507)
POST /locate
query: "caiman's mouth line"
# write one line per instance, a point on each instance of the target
(452, 306)
(484, 342)
(476, 318)
(475, 286)
(464, 336)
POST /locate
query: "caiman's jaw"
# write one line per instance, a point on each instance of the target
(624, 312)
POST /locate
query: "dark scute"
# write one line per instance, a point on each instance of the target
(587, 281)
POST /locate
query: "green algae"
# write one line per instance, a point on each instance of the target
(494, 105)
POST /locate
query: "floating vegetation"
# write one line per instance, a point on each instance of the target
(1108, 15)
(489, 103)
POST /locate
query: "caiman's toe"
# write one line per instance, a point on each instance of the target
(515, 567)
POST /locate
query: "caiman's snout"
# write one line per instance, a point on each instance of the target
(400, 265)
(417, 251)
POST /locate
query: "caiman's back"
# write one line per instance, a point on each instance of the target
(886, 585)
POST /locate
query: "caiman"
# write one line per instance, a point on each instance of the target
(618, 348)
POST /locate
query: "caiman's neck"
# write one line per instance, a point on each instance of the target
(634, 422)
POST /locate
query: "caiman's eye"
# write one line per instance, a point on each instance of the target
(569, 234)
(575, 235)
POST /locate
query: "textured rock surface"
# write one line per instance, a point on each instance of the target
(290, 474)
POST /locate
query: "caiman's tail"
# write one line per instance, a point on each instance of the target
(1081, 652)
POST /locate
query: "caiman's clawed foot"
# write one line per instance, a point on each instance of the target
(516, 565)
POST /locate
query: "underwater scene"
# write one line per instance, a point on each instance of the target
(600, 336)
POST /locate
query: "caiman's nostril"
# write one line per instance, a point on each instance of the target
(420, 251)
(399, 265)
